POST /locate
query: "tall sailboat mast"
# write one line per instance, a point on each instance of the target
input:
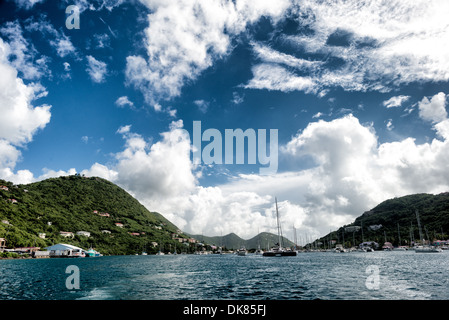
(294, 237)
(419, 227)
(278, 251)
(361, 227)
(279, 225)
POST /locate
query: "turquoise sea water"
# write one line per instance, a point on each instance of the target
(330, 276)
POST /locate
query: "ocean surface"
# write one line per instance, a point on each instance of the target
(316, 275)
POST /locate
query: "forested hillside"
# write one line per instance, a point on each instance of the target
(75, 203)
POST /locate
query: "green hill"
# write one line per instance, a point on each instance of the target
(395, 219)
(233, 241)
(73, 204)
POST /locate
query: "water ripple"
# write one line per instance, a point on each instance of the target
(402, 275)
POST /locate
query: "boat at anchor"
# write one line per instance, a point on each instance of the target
(242, 251)
(424, 248)
(278, 250)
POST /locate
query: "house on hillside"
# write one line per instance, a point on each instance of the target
(118, 224)
(4, 188)
(352, 228)
(104, 214)
(83, 233)
(66, 234)
(13, 200)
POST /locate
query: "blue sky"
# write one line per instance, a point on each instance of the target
(357, 92)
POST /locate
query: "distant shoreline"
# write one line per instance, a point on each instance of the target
(15, 258)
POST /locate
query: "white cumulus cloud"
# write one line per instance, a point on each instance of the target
(395, 101)
(96, 69)
(185, 37)
(433, 110)
(27, 4)
(379, 46)
(123, 102)
(20, 119)
(353, 172)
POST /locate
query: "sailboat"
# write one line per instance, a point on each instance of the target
(388, 246)
(259, 251)
(424, 248)
(161, 251)
(400, 247)
(278, 250)
(144, 251)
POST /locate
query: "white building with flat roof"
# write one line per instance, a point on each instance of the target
(62, 250)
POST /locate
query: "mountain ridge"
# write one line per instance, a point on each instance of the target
(394, 220)
(233, 241)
